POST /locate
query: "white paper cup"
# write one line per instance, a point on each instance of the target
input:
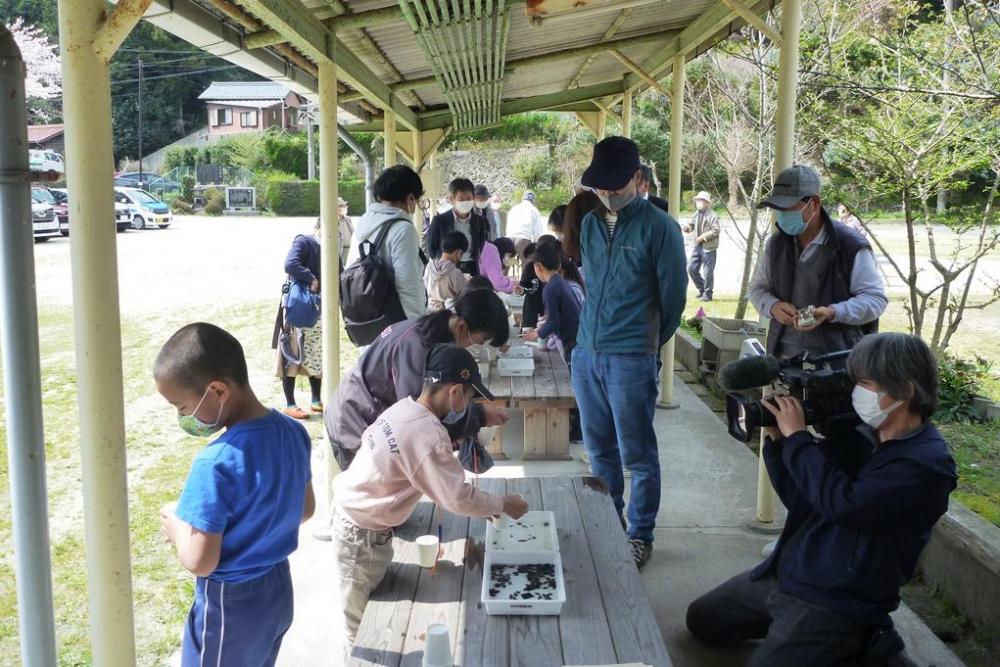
(427, 550)
(437, 652)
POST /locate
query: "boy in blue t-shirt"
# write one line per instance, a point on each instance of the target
(238, 517)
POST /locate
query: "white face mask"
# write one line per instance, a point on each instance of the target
(701, 205)
(867, 403)
(464, 207)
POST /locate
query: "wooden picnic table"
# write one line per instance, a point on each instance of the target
(607, 617)
(546, 399)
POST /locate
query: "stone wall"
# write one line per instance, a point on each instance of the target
(494, 168)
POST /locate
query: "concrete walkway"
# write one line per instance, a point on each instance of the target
(703, 536)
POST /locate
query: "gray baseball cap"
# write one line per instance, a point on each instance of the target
(792, 186)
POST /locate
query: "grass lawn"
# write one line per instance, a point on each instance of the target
(159, 455)
(976, 448)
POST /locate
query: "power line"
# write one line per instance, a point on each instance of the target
(177, 75)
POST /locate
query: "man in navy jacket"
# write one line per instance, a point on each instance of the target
(861, 506)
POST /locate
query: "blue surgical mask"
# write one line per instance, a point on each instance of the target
(191, 425)
(790, 222)
(454, 416)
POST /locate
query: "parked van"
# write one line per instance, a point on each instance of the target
(42, 160)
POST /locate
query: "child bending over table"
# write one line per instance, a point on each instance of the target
(404, 455)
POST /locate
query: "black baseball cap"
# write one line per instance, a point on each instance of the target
(615, 161)
(451, 363)
(792, 186)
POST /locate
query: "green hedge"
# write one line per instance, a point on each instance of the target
(290, 197)
(293, 197)
(354, 193)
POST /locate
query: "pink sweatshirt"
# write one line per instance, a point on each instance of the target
(404, 455)
(491, 266)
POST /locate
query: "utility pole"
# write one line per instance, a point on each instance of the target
(310, 110)
(140, 122)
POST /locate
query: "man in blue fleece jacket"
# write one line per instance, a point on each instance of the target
(860, 510)
(636, 284)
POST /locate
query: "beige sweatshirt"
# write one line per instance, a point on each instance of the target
(404, 455)
(444, 281)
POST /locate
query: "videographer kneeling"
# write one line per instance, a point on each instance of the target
(860, 510)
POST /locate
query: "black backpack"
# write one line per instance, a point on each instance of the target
(369, 301)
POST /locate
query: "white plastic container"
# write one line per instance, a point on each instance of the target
(514, 300)
(507, 607)
(519, 351)
(533, 532)
(516, 367)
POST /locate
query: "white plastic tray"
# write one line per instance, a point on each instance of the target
(535, 531)
(507, 607)
(514, 301)
(516, 367)
(518, 351)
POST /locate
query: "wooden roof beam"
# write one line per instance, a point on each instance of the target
(310, 36)
(755, 20)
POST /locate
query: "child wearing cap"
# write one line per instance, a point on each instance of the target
(238, 517)
(405, 455)
(443, 279)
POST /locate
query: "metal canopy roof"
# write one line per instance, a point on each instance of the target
(458, 64)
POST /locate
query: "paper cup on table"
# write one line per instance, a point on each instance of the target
(437, 652)
(427, 550)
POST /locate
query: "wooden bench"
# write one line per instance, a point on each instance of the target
(607, 617)
(546, 398)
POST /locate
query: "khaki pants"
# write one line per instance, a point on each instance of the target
(362, 557)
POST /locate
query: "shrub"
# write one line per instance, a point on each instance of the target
(287, 152)
(173, 158)
(262, 178)
(215, 201)
(546, 200)
(293, 197)
(187, 188)
(960, 382)
(354, 192)
(535, 172)
(178, 205)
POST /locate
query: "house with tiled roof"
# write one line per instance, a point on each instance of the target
(251, 106)
(47, 137)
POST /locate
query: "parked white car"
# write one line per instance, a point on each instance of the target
(43, 220)
(146, 210)
(42, 160)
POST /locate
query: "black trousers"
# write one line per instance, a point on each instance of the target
(795, 633)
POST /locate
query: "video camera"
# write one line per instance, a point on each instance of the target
(825, 393)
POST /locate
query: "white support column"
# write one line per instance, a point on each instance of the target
(330, 247)
(627, 114)
(674, 202)
(389, 138)
(22, 382)
(418, 156)
(788, 81)
(93, 254)
(784, 157)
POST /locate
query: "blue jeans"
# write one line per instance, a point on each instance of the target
(616, 395)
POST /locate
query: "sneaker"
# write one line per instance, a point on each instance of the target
(316, 407)
(296, 412)
(641, 551)
(705, 298)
